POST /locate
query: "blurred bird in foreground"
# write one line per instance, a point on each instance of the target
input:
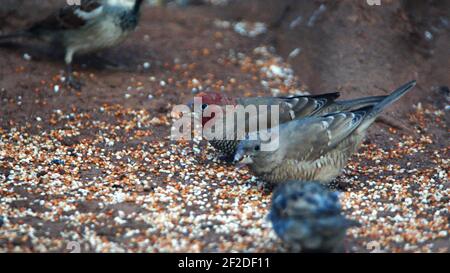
(93, 25)
(313, 148)
(307, 217)
(290, 108)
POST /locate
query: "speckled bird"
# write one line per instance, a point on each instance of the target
(307, 217)
(90, 26)
(291, 108)
(313, 148)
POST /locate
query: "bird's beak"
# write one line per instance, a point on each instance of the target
(241, 158)
(238, 155)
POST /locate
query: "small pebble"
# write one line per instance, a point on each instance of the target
(27, 57)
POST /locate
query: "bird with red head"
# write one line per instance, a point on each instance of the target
(213, 98)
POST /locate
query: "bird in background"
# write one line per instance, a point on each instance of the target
(307, 217)
(290, 108)
(314, 148)
(78, 29)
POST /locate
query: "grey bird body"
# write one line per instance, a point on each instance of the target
(92, 26)
(292, 108)
(313, 148)
(308, 218)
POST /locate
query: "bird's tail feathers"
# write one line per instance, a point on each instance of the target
(350, 105)
(364, 111)
(375, 110)
(393, 97)
(331, 96)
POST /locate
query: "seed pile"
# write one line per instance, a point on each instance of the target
(61, 186)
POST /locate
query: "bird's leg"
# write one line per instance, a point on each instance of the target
(70, 80)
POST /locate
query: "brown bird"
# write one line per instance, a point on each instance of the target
(290, 108)
(91, 26)
(313, 148)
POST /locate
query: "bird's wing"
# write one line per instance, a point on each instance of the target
(70, 16)
(310, 138)
(290, 108)
(304, 106)
(353, 104)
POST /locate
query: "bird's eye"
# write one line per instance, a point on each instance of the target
(204, 106)
(257, 148)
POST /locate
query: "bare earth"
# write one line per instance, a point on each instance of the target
(96, 168)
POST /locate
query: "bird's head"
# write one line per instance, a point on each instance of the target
(247, 151)
(209, 99)
(261, 149)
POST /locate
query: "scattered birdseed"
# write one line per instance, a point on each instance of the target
(250, 29)
(316, 14)
(27, 57)
(428, 35)
(296, 22)
(294, 53)
(157, 184)
(96, 176)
